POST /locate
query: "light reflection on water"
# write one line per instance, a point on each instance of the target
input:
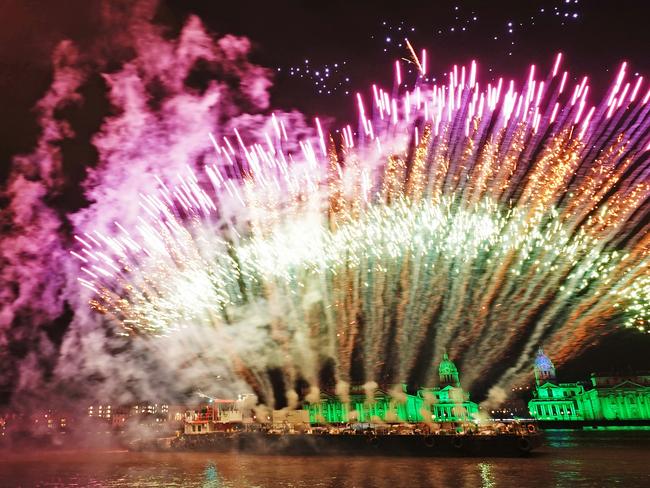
(568, 460)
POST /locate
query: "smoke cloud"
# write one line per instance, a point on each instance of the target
(165, 96)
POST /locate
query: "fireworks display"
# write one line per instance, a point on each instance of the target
(485, 220)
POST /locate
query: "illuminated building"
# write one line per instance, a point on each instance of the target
(176, 413)
(451, 403)
(118, 415)
(149, 408)
(446, 403)
(100, 411)
(605, 398)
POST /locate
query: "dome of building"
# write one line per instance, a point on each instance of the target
(543, 362)
(447, 366)
(544, 368)
(448, 372)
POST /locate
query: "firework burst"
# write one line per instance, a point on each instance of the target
(481, 219)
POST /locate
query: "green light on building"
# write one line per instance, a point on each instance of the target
(446, 403)
(605, 398)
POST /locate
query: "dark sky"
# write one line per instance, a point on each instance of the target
(594, 35)
(285, 33)
(357, 44)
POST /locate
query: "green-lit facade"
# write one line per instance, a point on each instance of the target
(445, 403)
(608, 398)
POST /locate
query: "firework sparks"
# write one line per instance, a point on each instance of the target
(480, 219)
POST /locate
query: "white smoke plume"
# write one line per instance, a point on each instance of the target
(166, 96)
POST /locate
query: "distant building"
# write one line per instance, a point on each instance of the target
(117, 416)
(604, 398)
(176, 413)
(39, 422)
(446, 403)
(450, 402)
(363, 406)
(161, 409)
(100, 411)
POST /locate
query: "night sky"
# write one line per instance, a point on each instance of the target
(321, 53)
(594, 35)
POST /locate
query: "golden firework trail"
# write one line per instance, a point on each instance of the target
(481, 219)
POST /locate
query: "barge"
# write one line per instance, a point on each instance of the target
(349, 443)
(509, 440)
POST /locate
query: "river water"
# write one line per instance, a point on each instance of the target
(569, 459)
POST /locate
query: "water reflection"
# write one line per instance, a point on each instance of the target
(561, 439)
(567, 472)
(569, 460)
(211, 476)
(487, 480)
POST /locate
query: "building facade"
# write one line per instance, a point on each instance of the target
(604, 398)
(446, 403)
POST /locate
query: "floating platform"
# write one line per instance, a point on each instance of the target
(302, 444)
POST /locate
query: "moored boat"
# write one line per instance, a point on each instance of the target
(516, 440)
